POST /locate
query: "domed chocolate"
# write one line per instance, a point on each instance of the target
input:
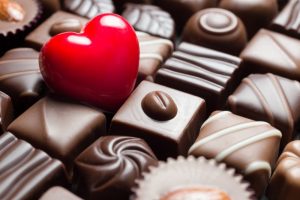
(108, 168)
(216, 28)
(255, 14)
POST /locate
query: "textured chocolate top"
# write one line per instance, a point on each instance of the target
(108, 168)
(288, 20)
(231, 139)
(285, 184)
(62, 129)
(89, 8)
(20, 77)
(270, 52)
(25, 172)
(200, 71)
(216, 28)
(269, 98)
(150, 19)
(153, 52)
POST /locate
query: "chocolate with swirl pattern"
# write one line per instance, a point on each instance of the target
(108, 168)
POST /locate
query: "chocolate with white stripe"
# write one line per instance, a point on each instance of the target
(251, 147)
(269, 98)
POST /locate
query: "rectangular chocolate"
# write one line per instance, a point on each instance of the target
(203, 72)
(26, 172)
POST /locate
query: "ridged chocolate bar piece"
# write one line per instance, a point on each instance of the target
(26, 172)
(203, 72)
(251, 147)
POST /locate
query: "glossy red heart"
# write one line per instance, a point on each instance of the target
(98, 66)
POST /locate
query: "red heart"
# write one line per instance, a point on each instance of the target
(98, 66)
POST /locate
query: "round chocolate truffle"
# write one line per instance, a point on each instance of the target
(218, 29)
(182, 10)
(108, 168)
(17, 18)
(192, 178)
(255, 14)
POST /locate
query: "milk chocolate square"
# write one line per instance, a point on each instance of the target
(272, 52)
(251, 147)
(26, 172)
(288, 20)
(153, 52)
(166, 118)
(59, 22)
(62, 129)
(269, 98)
(203, 72)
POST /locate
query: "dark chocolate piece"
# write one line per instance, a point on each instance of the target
(153, 52)
(6, 111)
(89, 8)
(57, 192)
(288, 20)
(59, 22)
(62, 129)
(109, 167)
(217, 29)
(166, 137)
(285, 181)
(251, 147)
(269, 98)
(20, 77)
(255, 14)
(26, 172)
(272, 52)
(150, 19)
(200, 71)
(182, 10)
(190, 178)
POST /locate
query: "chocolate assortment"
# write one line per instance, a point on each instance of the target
(149, 99)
